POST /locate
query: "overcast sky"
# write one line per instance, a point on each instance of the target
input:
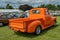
(34, 3)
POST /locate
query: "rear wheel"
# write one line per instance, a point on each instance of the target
(38, 30)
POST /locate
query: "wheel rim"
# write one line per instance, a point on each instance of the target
(38, 30)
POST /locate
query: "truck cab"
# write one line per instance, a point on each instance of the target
(35, 20)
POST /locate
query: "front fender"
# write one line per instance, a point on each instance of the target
(32, 26)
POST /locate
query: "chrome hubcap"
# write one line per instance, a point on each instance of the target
(38, 30)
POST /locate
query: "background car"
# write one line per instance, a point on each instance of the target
(6, 14)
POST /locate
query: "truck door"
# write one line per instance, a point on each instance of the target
(48, 18)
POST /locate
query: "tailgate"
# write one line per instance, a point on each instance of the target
(17, 23)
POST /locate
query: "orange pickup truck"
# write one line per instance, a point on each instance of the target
(37, 20)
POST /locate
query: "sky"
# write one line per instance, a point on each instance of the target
(34, 3)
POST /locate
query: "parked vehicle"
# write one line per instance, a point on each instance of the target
(6, 14)
(37, 20)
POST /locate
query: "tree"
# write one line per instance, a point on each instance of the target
(51, 7)
(58, 7)
(42, 5)
(8, 6)
(25, 7)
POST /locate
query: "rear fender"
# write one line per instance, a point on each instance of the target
(32, 26)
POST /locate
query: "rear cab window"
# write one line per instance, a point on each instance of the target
(36, 11)
(47, 12)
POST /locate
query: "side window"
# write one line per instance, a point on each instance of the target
(36, 11)
(47, 12)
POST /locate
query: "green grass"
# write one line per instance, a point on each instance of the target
(52, 33)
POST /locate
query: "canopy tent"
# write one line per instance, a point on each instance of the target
(10, 10)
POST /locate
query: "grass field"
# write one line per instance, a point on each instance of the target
(52, 33)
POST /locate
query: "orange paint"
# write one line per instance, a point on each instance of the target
(30, 23)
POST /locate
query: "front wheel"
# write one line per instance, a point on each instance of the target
(54, 23)
(38, 30)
